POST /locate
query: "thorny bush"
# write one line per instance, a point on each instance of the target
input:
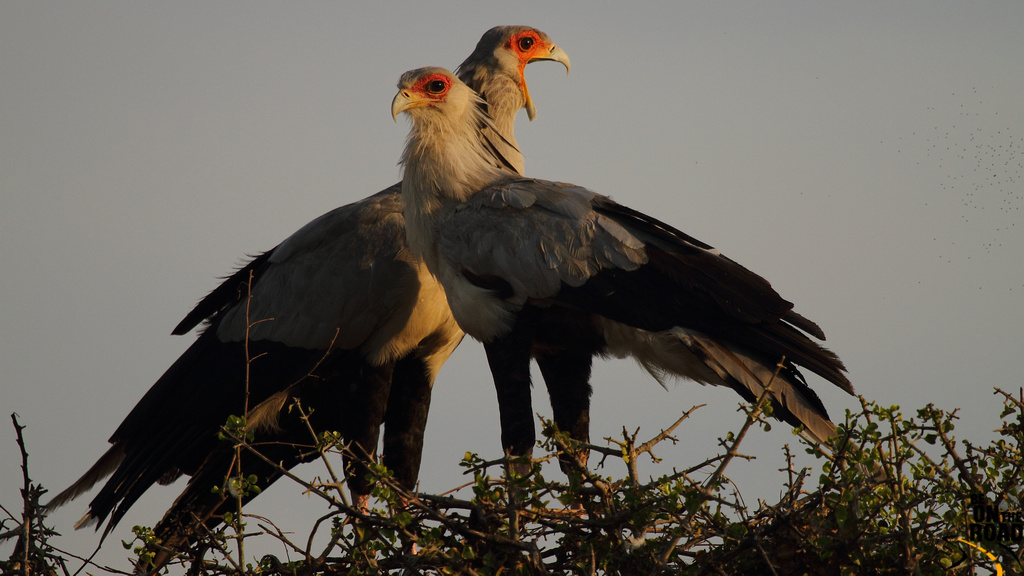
(893, 494)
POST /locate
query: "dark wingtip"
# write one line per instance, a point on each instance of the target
(231, 290)
(805, 324)
(183, 327)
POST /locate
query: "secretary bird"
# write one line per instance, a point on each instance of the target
(532, 264)
(338, 315)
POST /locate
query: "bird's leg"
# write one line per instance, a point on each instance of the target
(404, 424)
(565, 345)
(567, 377)
(406, 419)
(509, 360)
(367, 405)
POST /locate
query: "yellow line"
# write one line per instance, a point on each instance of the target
(991, 556)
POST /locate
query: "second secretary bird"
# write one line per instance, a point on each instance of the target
(528, 262)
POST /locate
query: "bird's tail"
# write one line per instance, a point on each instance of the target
(793, 401)
(103, 467)
(689, 354)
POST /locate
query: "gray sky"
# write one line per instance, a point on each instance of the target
(867, 159)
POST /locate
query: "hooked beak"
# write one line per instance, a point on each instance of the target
(558, 55)
(404, 101)
(555, 54)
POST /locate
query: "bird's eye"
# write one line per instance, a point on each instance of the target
(435, 87)
(525, 43)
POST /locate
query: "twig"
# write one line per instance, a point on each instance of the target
(731, 453)
(751, 418)
(304, 416)
(238, 450)
(28, 513)
(647, 446)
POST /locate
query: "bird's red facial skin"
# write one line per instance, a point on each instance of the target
(525, 45)
(433, 85)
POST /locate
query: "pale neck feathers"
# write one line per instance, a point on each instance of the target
(504, 101)
(447, 157)
(496, 73)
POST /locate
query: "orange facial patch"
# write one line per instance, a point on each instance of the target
(433, 85)
(525, 44)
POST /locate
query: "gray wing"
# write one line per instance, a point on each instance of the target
(348, 269)
(536, 236)
(551, 243)
(543, 237)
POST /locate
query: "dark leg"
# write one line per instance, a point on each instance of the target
(509, 360)
(405, 423)
(564, 348)
(406, 420)
(365, 413)
(567, 376)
